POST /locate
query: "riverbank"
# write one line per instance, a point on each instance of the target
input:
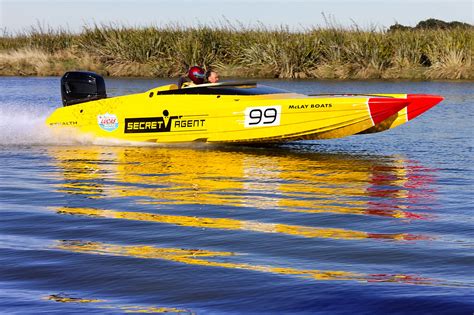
(320, 53)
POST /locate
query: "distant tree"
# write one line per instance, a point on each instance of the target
(398, 27)
(456, 24)
(430, 24)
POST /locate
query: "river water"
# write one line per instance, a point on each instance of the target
(379, 223)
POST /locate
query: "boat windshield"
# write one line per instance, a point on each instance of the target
(242, 89)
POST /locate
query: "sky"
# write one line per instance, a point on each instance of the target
(73, 15)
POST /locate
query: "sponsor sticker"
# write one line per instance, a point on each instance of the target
(107, 122)
(166, 123)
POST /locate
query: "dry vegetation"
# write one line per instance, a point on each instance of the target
(325, 53)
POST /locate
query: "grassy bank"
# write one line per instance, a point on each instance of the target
(326, 53)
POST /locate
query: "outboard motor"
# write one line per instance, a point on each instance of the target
(79, 87)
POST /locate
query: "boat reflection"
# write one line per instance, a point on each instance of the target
(151, 184)
(66, 298)
(84, 171)
(221, 259)
(104, 304)
(233, 224)
(282, 180)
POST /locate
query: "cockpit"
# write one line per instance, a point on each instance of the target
(226, 88)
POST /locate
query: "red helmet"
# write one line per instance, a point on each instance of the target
(196, 74)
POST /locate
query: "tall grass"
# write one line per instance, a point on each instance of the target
(328, 53)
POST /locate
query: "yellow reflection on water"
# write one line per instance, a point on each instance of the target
(66, 298)
(63, 298)
(285, 181)
(150, 309)
(84, 170)
(211, 259)
(233, 224)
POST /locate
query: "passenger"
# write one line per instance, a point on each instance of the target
(212, 76)
(195, 76)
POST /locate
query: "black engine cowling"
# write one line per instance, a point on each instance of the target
(79, 87)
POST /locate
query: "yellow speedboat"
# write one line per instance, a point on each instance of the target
(226, 112)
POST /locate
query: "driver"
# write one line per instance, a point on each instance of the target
(195, 76)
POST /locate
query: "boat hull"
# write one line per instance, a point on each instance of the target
(152, 117)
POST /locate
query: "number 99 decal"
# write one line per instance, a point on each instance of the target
(262, 116)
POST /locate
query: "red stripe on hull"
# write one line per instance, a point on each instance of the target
(420, 103)
(382, 107)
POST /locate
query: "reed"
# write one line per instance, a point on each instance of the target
(238, 51)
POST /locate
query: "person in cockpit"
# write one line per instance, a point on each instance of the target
(196, 75)
(212, 76)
